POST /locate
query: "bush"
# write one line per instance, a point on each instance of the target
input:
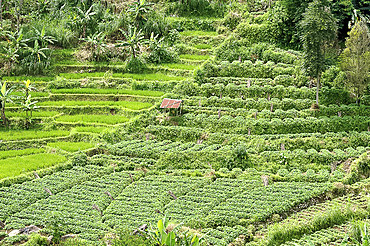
(255, 33)
(232, 20)
(135, 65)
(161, 54)
(125, 238)
(197, 8)
(37, 240)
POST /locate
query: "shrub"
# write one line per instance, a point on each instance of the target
(232, 20)
(135, 65)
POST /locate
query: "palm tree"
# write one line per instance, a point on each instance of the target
(5, 96)
(133, 38)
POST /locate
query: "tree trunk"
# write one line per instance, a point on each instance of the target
(358, 96)
(133, 51)
(17, 9)
(1, 13)
(317, 89)
(3, 115)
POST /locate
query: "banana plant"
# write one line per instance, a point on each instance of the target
(28, 106)
(37, 51)
(83, 18)
(138, 11)
(27, 87)
(96, 44)
(133, 38)
(5, 96)
(163, 237)
(42, 38)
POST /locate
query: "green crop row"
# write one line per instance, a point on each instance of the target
(233, 49)
(84, 202)
(14, 166)
(176, 155)
(35, 114)
(124, 104)
(260, 203)
(248, 103)
(327, 95)
(19, 196)
(82, 118)
(11, 135)
(246, 69)
(193, 207)
(107, 91)
(242, 125)
(332, 110)
(145, 76)
(71, 146)
(140, 203)
(261, 143)
(21, 152)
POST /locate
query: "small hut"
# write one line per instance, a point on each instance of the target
(169, 104)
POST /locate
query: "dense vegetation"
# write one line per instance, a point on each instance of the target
(271, 144)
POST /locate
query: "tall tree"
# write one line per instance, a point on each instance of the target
(355, 59)
(319, 30)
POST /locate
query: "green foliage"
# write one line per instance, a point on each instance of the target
(37, 240)
(12, 135)
(5, 96)
(126, 238)
(135, 65)
(108, 91)
(319, 30)
(71, 146)
(14, 166)
(355, 59)
(80, 158)
(164, 237)
(125, 104)
(83, 118)
(279, 233)
(246, 69)
(22, 152)
(96, 45)
(158, 52)
(359, 233)
(360, 169)
(197, 8)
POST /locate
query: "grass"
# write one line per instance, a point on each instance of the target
(203, 46)
(83, 118)
(91, 129)
(180, 66)
(8, 135)
(33, 94)
(108, 91)
(144, 76)
(32, 78)
(195, 57)
(14, 153)
(124, 104)
(15, 166)
(36, 114)
(71, 146)
(198, 33)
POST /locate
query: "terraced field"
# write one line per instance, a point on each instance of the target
(250, 160)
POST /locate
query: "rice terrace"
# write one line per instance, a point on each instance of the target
(185, 122)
